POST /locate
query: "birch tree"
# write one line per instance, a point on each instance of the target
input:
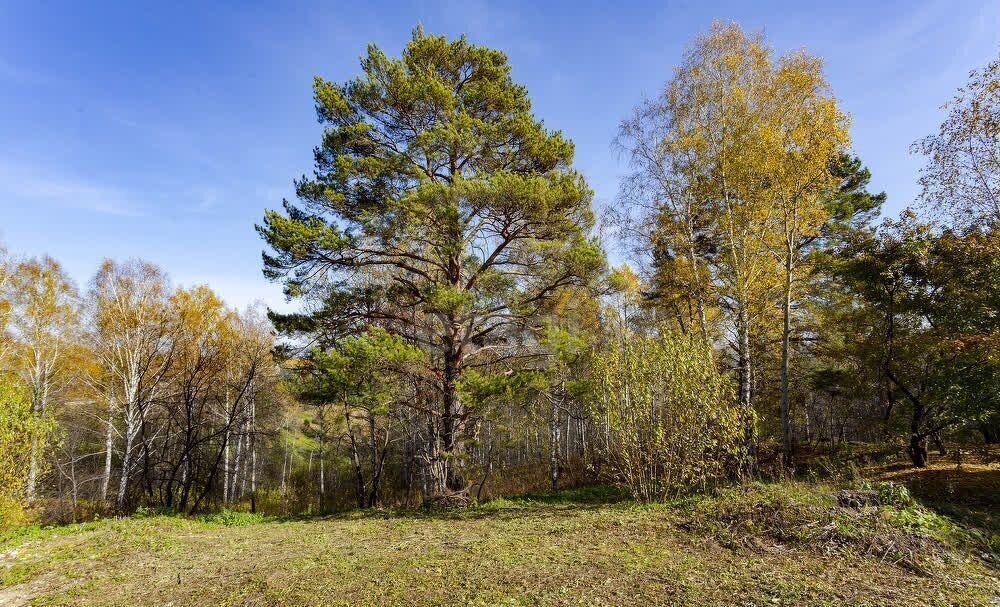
(962, 176)
(730, 165)
(810, 134)
(132, 339)
(44, 318)
(724, 97)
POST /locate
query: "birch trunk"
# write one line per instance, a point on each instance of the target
(109, 441)
(786, 418)
(554, 439)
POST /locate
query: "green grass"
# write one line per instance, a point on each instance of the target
(593, 494)
(761, 544)
(234, 518)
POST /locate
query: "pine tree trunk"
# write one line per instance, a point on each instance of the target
(454, 480)
(359, 479)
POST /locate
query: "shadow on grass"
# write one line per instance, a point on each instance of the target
(551, 503)
(971, 495)
(589, 494)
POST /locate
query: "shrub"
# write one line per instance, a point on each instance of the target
(18, 430)
(670, 418)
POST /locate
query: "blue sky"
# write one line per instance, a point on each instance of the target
(163, 131)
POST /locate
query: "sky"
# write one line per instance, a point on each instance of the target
(163, 130)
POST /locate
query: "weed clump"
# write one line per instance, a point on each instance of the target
(234, 518)
(874, 520)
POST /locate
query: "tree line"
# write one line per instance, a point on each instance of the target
(131, 393)
(460, 331)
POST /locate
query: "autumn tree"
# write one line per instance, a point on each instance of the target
(131, 338)
(246, 388)
(667, 226)
(811, 134)
(731, 164)
(199, 328)
(44, 319)
(624, 290)
(722, 89)
(441, 209)
(962, 174)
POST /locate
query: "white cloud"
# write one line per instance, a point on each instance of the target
(21, 75)
(27, 185)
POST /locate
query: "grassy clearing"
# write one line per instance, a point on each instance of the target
(764, 544)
